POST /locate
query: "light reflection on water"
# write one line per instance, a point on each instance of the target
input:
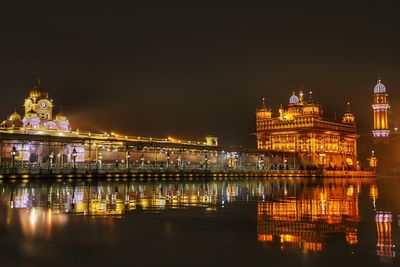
(291, 214)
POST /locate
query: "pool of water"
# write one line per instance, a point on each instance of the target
(229, 222)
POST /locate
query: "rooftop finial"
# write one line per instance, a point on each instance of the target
(348, 107)
(301, 94)
(263, 102)
(38, 80)
(310, 95)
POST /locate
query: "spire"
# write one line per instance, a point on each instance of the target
(348, 108)
(311, 96)
(38, 81)
(301, 95)
(263, 103)
(348, 116)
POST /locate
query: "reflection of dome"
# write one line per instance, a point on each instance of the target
(36, 92)
(379, 88)
(15, 117)
(294, 99)
(61, 117)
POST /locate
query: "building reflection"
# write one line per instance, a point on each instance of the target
(302, 215)
(291, 213)
(384, 245)
(105, 199)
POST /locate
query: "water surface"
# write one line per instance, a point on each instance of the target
(230, 222)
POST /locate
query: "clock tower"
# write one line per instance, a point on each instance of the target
(381, 108)
(39, 103)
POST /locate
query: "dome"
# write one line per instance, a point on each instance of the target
(61, 117)
(294, 99)
(15, 116)
(36, 92)
(379, 88)
(32, 114)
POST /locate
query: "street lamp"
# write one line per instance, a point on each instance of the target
(13, 154)
(51, 156)
(260, 162)
(100, 157)
(168, 158)
(74, 155)
(206, 161)
(178, 161)
(128, 157)
(142, 160)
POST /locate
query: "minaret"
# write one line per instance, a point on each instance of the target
(348, 117)
(263, 113)
(381, 108)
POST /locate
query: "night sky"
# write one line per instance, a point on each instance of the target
(187, 70)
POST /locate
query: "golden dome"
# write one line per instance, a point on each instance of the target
(32, 114)
(36, 92)
(61, 117)
(15, 117)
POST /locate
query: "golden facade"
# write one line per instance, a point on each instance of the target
(381, 109)
(301, 130)
(38, 115)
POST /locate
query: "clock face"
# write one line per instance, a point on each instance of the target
(43, 104)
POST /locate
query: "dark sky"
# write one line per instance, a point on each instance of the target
(187, 70)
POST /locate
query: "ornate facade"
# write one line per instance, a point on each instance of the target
(381, 109)
(38, 113)
(302, 131)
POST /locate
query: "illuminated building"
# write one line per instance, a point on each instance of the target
(384, 245)
(38, 113)
(301, 132)
(381, 108)
(40, 141)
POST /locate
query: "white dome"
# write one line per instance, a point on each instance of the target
(294, 99)
(379, 88)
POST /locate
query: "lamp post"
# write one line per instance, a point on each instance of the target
(260, 163)
(168, 157)
(128, 157)
(285, 164)
(100, 157)
(142, 161)
(206, 161)
(51, 156)
(13, 154)
(178, 161)
(74, 155)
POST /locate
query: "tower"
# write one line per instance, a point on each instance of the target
(263, 114)
(348, 117)
(381, 108)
